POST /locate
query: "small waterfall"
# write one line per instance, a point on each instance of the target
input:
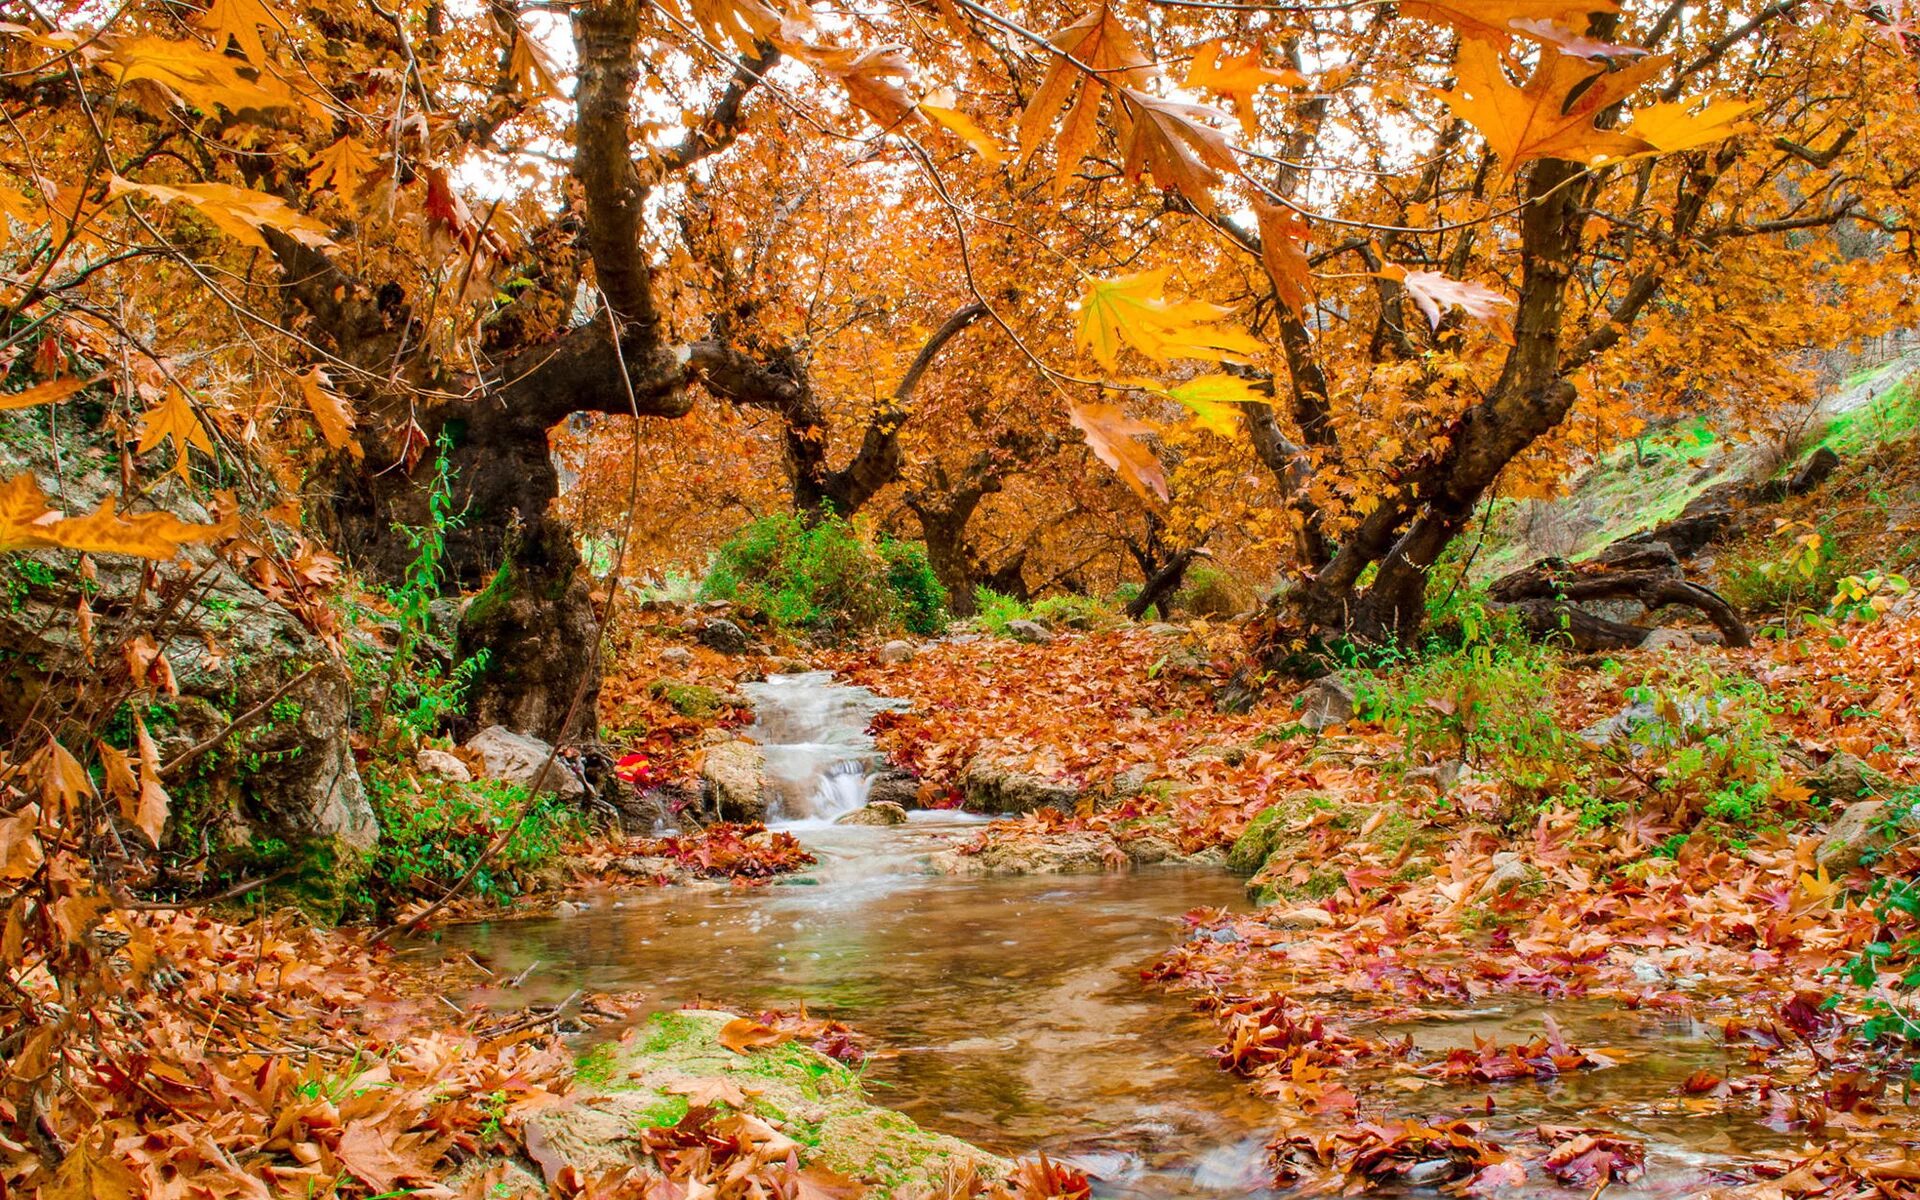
(813, 733)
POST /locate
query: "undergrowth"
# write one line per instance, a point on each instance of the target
(831, 577)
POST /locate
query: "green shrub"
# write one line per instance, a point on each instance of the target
(433, 830)
(1211, 591)
(1064, 607)
(1795, 570)
(829, 577)
(993, 612)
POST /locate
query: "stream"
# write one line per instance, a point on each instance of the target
(1010, 1012)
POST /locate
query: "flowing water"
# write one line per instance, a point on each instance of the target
(1010, 1011)
(813, 732)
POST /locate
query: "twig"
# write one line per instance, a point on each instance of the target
(237, 724)
(238, 889)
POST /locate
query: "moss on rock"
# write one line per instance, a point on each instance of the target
(626, 1088)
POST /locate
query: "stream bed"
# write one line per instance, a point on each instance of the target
(1010, 1011)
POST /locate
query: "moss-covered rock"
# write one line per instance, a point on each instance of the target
(643, 1082)
(690, 699)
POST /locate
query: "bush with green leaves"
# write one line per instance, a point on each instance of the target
(433, 830)
(829, 576)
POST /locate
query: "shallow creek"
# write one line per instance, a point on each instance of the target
(1010, 1011)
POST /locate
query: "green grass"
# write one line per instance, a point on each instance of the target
(1893, 412)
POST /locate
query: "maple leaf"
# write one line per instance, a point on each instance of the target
(332, 413)
(1545, 119)
(241, 20)
(51, 392)
(380, 1160)
(1102, 44)
(26, 523)
(238, 212)
(148, 811)
(1213, 399)
(875, 79)
(1283, 251)
(1687, 124)
(1238, 79)
(191, 73)
(1434, 293)
(1113, 438)
(531, 67)
(174, 419)
(1491, 20)
(345, 166)
(942, 107)
(1130, 310)
(742, 23)
(1174, 143)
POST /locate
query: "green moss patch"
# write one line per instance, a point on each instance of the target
(652, 1078)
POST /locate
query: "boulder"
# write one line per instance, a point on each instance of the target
(998, 779)
(1072, 852)
(718, 633)
(442, 765)
(1844, 778)
(875, 812)
(517, 759)
(676, 656)
(1851, 835)
(1031, 632)
(897, 651)
(1669, 639)
(259, 727)
(733, 779)
(1324, 703)
(1510, 871)
(816, 1106)
(894, 787)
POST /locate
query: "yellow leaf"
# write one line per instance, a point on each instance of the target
(1129, 310)
(15, 204)
(1101, 43)
(237, 212)
(194, 74)
(943, 108)
(1237, 79)
(1213, 400)
(174, 419)
(63, 781)
(51, 392)
(241, 20)
(1686, 124)
(1545, 119)
(26, 523)
(332, 414)
(531, 67)
(1113, 438)
(345, 167)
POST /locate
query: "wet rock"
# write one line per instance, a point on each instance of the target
(1131, 782)
(567, 908)
(1324, 703)
(894, 787)
(690, 699)
(897, 651)
(1031, 632)
(1844, 778)
(733, 779)
(517, 758)
(442, 765)
(1149, 850)
(999, 780)
(875, 812)
(1074, 852)
(718, 633)
(676, 656)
